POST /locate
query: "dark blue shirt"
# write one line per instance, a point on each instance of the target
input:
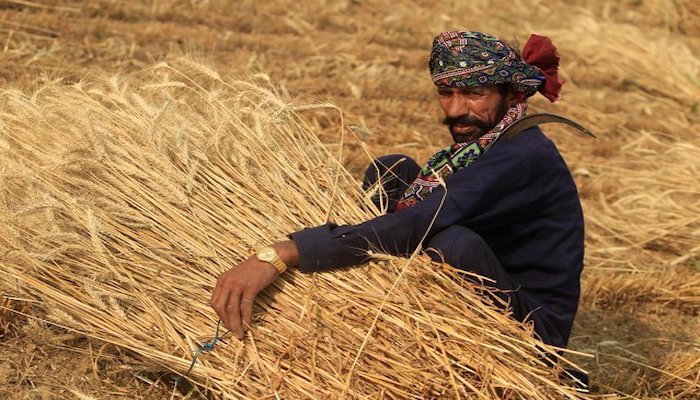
(519, 197)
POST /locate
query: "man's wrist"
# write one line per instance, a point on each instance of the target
(269, 255)
(288, 253)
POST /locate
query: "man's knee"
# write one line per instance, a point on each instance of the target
(457, 245)
(464, 249)
(392, 159)
(392, 174)
(387, 167)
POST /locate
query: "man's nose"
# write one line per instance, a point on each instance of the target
(457, 106)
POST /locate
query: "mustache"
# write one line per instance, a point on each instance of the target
(464, 120)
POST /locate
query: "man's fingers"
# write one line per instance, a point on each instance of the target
(247, 301)
(235, 291)
(233, 314)
(218, 303)
(219, 296)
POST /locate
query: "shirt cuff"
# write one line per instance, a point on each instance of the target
(322, 249)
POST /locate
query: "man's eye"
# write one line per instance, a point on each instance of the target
(444, 93)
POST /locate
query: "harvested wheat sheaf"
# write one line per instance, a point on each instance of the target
(122, 199)
(683, 375)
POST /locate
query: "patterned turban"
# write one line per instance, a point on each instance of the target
(463, 58)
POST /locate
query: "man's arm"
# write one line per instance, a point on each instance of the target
(492, 187)
(236, 289)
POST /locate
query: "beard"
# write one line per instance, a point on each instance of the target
(482, 126)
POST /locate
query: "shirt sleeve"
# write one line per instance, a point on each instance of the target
(495, 186)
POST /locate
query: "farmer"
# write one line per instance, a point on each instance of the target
(509, 212)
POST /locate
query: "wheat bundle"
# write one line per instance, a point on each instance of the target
(682, 377)
(122, 199)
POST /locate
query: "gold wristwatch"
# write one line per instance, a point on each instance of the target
(269, 254)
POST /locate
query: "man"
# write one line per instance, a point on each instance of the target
(508, 210)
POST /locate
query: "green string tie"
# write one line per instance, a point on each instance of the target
(206, 346)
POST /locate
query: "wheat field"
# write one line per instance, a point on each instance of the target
(174, 89)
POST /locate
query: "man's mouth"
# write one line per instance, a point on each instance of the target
(463, 128)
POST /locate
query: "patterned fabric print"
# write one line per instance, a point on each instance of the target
(453, 158)
(463, 59)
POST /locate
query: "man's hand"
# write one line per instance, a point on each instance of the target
(236, 289)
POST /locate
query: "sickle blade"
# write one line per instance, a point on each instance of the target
(543, 118)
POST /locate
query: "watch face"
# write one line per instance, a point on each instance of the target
(266, 254)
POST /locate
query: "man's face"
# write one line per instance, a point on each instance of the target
(472, 111)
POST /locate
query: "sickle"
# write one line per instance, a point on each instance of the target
(536, 119)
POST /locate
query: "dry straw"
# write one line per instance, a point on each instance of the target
(122, 199)
(682, 374)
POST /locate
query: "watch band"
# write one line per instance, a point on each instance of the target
(269, 255)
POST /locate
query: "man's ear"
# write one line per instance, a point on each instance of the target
(514, 97)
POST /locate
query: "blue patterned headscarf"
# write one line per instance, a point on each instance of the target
(463, 58)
